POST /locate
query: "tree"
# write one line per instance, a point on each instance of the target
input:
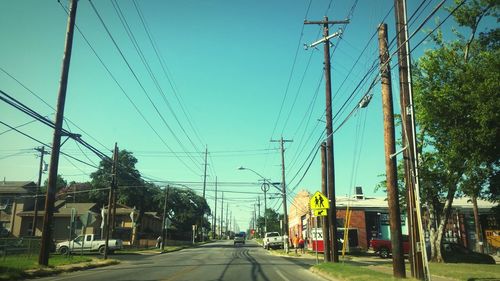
(185, 209)
(457, 100)
(273, 221)
(60, 184)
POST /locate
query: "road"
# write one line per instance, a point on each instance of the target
(214, 261)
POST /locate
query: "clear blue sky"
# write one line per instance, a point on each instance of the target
(229, 63)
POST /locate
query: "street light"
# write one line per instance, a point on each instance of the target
(283, 195)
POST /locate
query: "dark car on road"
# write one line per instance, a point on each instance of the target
(239, 238)
(456, 253)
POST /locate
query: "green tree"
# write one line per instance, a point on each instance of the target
(185, 208)
(273, 221)
(457, 99)
(60, 184)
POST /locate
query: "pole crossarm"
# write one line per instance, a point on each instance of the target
(327, 22)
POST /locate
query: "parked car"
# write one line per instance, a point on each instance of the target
(456, 253)
(384, 247)
(273, 240)
(91, 243)
(239, 238)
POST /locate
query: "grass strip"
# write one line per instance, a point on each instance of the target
(351, 272)
(22, 266)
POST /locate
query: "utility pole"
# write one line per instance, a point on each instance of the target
(283, 187)
(417, 256)
(222, 216)
(35, 216)
(398, 262)
(265, 188)
(43, 258)
(164, 222)
(227, 214)
(326, 223)
(110, 198)
(215, 208)
(202, 229)
(205, 173)
(332, 212)
(258, 214)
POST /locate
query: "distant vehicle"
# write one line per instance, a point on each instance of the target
(456, 253)
(384, 247)
(239, 238)
(91, 243)
(273, 240)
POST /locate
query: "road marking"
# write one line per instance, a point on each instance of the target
(281, 275)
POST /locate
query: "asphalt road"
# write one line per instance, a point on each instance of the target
(214, 261)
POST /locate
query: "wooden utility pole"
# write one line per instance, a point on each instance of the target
(202, 229)
(205, 173)
(326, 223)
(215, 213)
(110, 199)
(283, 188)
(417, 248)
(332, 212)
(398, 262)
(164, 222)
(39, 185)
(43, 258)
(221, 216)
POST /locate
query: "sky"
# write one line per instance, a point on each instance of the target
(226, 76)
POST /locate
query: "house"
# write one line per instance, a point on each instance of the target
(125, 225)
(62, 228)
(14, 196)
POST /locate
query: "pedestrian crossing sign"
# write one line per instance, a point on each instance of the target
(319, 201)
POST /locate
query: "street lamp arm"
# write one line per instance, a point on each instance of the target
(263, 178)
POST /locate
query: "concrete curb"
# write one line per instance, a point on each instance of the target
(48, 271)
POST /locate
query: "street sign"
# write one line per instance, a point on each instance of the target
(320, 213)
(319, 201)
(87, 218)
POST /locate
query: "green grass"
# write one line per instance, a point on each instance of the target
(466, 271)
(13, 267)
(355, 273)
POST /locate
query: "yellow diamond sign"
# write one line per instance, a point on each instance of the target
(319, 201)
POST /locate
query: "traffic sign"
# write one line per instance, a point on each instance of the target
(320, 213)
(319, 201)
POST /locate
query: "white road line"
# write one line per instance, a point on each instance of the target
(281, 275)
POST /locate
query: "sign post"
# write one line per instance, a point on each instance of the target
(319, 204)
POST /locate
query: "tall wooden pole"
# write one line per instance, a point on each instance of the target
(35, 215)
(326, 223)
(43, 258)
(164, 222)
(332, 212)
(398, 262)
(110, 200)
(215, 212)
(417, 247)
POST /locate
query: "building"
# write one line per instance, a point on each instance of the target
(370, 219)
(14, 196)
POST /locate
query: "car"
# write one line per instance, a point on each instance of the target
(273, 240)
(456, 253)
(239, 238)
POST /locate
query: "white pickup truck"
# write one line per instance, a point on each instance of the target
(273, 240)
(91, 243)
